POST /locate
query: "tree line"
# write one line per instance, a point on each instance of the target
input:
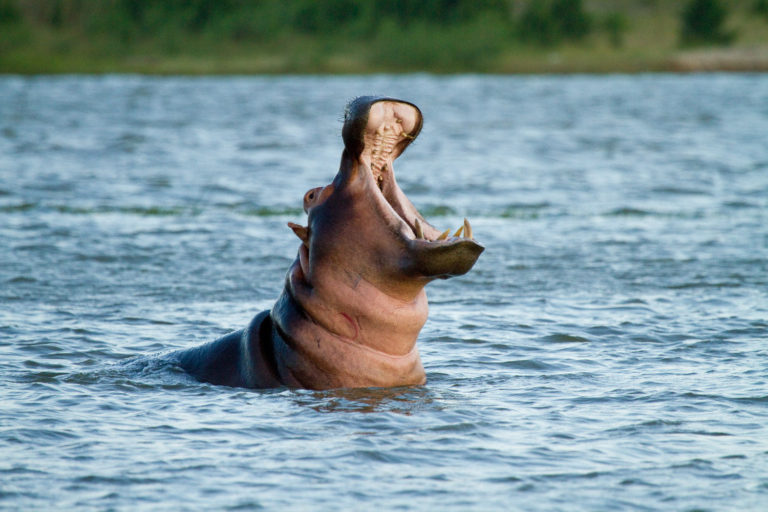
(286, 36)
(536, 22)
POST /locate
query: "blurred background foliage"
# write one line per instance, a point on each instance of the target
(277, 36)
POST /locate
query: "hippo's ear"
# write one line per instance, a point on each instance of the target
(301, 232)
(358, 113)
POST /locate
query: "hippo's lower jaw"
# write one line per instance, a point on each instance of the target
(354, 299)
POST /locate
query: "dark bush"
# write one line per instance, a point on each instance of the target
(615, 25)
(439, 12)
(325, 17)
(570, 19)
(9, 13)
(549, 23)
(703, 23)
(537, 26)
(760, 7)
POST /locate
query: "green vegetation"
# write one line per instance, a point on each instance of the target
(615, 25)
(703, 22)
(550, 23)
(360, 36)
(760, 7)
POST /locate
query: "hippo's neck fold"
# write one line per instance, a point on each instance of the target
(346, 336)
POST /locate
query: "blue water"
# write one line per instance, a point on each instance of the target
(609, 351)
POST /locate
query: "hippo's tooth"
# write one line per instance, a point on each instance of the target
(417, 229)
(444, 235)
(467, 229)
(458, 231)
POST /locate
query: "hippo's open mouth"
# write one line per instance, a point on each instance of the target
(377, 131)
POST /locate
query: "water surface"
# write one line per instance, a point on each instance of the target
(608, 351)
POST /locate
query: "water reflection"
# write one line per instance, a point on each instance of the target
(402, 400)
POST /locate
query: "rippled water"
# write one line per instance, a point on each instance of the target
(608, 352)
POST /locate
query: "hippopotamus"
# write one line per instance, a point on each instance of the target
(354, 301)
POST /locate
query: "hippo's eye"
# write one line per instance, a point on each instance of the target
(311, 195)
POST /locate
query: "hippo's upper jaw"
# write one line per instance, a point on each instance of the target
(376, 131)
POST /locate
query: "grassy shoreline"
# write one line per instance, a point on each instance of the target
(566, 59)
(649, 42)
(561, 61)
